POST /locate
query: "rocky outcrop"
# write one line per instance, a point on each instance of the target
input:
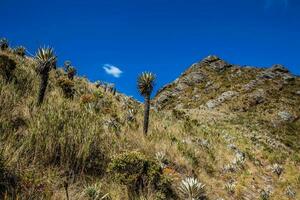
(216, 63)
(222, 98)
(277, 71)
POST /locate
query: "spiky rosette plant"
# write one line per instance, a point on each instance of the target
(20, 50)
(3, 44)
(191, 189)
(46, 60)
(145, 83)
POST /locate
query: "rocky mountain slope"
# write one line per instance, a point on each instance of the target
(235, 129)
(269, 97)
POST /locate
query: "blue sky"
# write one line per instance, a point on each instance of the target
(163, 36)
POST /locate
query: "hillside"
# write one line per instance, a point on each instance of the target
(236, 129)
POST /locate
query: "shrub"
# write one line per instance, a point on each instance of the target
(191, 189)
(138, 173)
(87, 98)
(4, 44)
(7, 66)
(71, 72)
(20, 51)
(67, 86)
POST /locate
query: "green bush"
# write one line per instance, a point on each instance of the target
(67, 86)
(140, 175)
(7, 66)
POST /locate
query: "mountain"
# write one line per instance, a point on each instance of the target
(235, 129)
(265, 97)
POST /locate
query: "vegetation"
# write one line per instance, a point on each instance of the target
(88, 145)
(145, 84)
(139, 174)
(192, 189)
(7, 66)
(20, 50)
(4, 44)
(46, 61)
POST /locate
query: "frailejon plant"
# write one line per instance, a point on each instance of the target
(20, 50)
(290, 192)
(145, 85)
(69, 69)
(4, 44)
(71, 72)
(161, 158)
(264, 194)
(230, 187)
(7, 66)
(46, 60)
(191, 189)
(94, 192)
(277, 169)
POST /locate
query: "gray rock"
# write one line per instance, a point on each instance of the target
(297, 92)
(211, 58)
(216, 63)
(219, 65)
(286, 116)
(222, 98)
(211, 104)
(249, 86)
(279, 68)
(277, 71)
(193, 78)
(257, 97)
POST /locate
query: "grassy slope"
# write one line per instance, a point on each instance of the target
(42, 144)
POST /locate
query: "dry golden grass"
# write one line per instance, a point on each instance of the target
(81, 135)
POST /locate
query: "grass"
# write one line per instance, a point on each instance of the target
(76, 138)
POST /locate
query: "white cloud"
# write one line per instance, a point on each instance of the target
(112, 70)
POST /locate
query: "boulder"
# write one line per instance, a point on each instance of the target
(286, 116)
(279, 68)
(257, 97)
(277, 71)
(216, 63)
(219, 65)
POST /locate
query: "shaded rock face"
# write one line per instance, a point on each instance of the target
(257, 97)
(277, 71)
(222, 98)
(216, 63)
(193, 78)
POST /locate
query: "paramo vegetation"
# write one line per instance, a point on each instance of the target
(64, 137)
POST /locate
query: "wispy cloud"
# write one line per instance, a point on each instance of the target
(112, 70)
(276, 3)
